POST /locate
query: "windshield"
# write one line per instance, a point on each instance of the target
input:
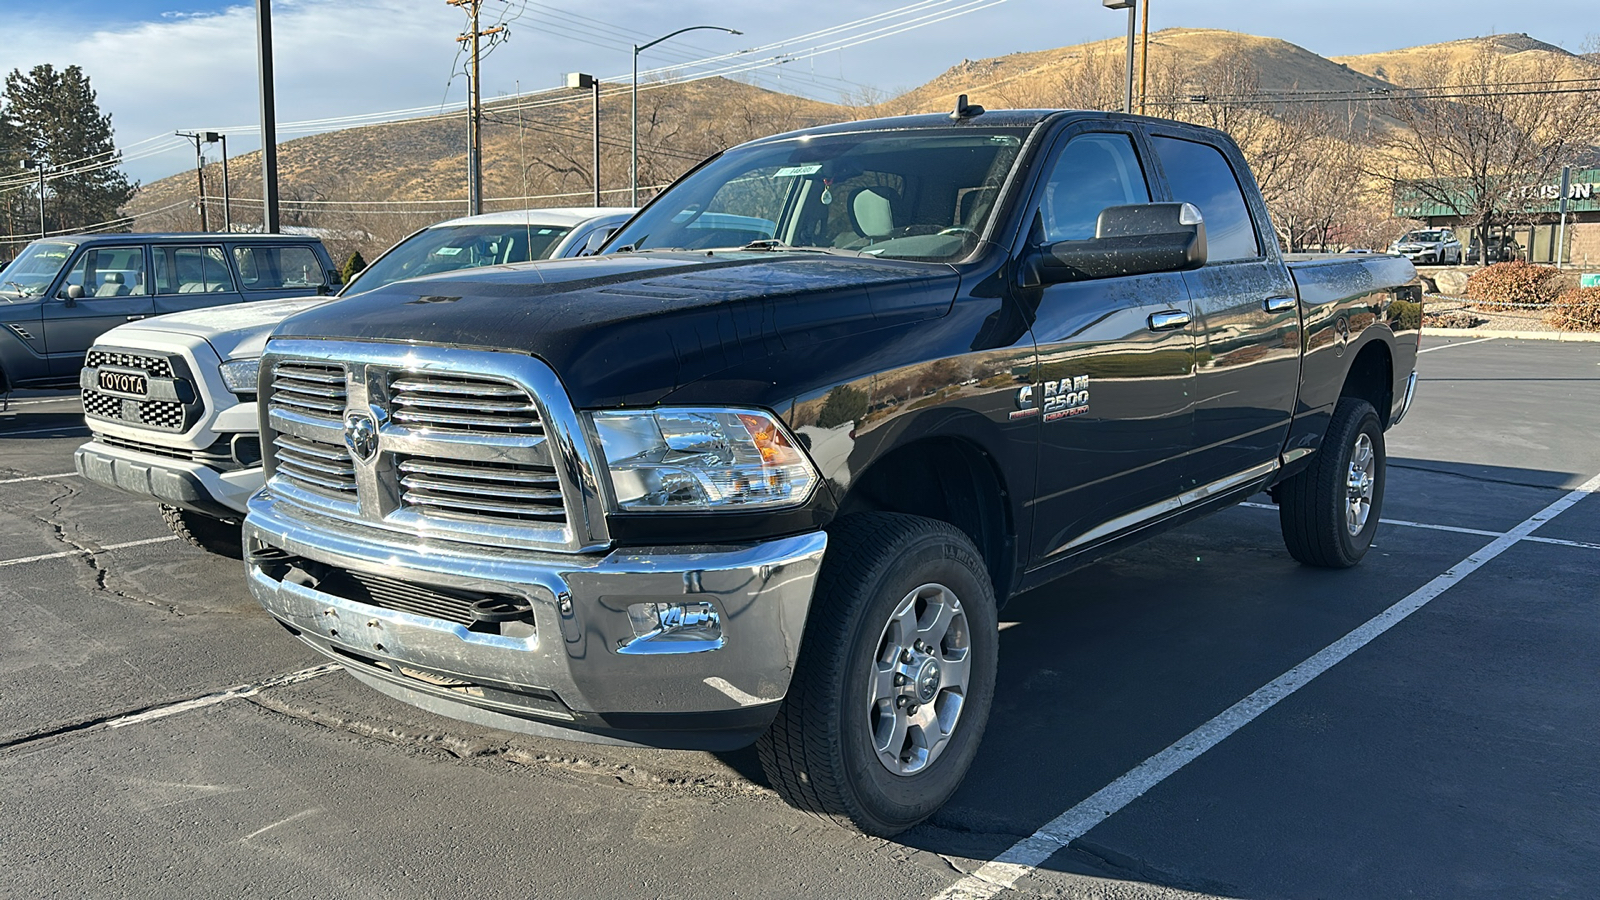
(920, 195)
(451, 247)
(31, 272)
(1429, 236)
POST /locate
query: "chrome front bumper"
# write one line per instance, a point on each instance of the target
(575, 666)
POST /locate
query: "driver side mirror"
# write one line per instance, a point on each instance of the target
(1140, 239)
(72, 293)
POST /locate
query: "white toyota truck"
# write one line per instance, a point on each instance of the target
(171, 400)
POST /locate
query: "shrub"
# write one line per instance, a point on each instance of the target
(352, 266)
(1576, 310)
(1455, 318)
(1514, 285)
(1405, 315)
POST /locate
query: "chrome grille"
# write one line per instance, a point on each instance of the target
(316, 466)
(473, 447)
(310, 389)
(481, 491)
(462, 404)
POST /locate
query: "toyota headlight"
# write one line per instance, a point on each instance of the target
(240, 375)
(686, 460)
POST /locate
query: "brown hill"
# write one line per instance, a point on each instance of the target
(1179, 59)
(1412, 66)
(374, 184)
(383, 181)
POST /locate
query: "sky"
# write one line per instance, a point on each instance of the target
(164, 65)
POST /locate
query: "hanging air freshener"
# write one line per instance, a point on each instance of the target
(827, 193)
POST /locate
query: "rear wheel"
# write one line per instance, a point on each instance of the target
(1329, 512)
(896, 673)
(212, 535)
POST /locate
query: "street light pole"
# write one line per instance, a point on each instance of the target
(579, 81)
(212, 137)
(633, 177)
(1130, 6)
(40, 165)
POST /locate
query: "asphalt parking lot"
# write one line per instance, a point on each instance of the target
(1196, 716)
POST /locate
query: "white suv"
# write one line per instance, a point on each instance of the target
(1434, 245)
(171, 400)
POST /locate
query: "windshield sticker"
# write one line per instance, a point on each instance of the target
(792, 171)
(447, 251)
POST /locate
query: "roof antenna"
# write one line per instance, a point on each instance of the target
(965, 110)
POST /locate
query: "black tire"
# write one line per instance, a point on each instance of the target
(212, 535)
(1321, 524)
(819, 753)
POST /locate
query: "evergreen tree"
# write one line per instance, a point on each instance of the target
(52, 115)
(351, 267)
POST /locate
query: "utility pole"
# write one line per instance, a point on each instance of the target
(199, 174)
(1144, 58)
(474, 102)
(269, 118)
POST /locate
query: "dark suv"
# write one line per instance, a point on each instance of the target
(61, 293)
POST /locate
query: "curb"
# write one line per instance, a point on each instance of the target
(1580, 336)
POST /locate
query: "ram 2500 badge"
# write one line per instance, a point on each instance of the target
(706, 490)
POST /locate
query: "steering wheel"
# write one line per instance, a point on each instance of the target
(913, 230)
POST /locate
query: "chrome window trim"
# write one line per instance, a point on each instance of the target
(368, 367)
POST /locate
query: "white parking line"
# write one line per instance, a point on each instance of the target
(233, 693)
(1457, 344)
(66, 553)
(74, 398)
(1005, 870)
(1452, 528)
(38, 478)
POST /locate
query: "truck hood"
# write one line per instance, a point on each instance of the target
(629, 329)
(236, 331)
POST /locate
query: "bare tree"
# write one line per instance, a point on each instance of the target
(1487, 138)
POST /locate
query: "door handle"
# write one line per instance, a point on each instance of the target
(1168, 321)
(1279, 304)
(135, 318)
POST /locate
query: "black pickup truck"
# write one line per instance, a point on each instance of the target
(766, 471)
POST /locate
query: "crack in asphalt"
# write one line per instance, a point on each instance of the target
(468, 748)
(90, 556)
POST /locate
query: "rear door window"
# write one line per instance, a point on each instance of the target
(1200, 174)
(278, 268)
(192, 270)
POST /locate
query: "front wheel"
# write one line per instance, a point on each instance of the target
(1329, 512)
(895, 678)
(211, 535)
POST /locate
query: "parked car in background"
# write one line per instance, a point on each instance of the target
(1500, 250)
(61, 293)
(1435, 245)
(171, 400)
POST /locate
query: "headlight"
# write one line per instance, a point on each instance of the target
(685, 460)
(241, 375)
